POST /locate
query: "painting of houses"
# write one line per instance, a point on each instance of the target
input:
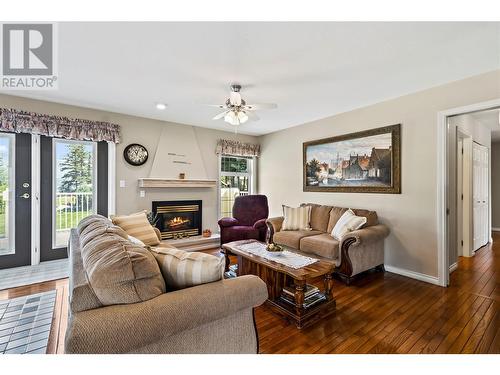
(368, 161)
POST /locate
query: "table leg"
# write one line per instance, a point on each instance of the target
(228, 261)
(299, 294)
(328, 281)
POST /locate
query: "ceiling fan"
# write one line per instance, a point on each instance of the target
(236, 110)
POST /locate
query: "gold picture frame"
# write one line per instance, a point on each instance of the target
(335, 165)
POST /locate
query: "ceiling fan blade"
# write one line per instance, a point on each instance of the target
(252, 116)
(235, 98)
(220, 115)
(253, 107)
(221, 106)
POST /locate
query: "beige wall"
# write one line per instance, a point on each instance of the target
(411, 216)
(495, 184)
(146, 132)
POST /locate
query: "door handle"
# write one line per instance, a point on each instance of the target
(25, 196)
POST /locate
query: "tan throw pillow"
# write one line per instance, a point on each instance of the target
(297, 218)
(182, 269)
(138, 226)
(120, 272)
(347, 223)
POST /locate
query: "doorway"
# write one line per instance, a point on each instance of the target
(450, 213)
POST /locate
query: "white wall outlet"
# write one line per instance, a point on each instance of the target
(142, 193)
(122, 183)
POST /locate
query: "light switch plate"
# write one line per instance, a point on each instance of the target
(142, 193)
(122, 183)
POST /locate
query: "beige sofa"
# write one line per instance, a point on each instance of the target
(356, 252)
(211, 318)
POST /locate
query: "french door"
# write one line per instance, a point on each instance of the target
(15, 200)
(73, 183)
(480, 195)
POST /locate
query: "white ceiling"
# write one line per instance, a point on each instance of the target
(311, 70)
(490, 119)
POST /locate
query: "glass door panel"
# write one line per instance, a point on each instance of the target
(15, 200)
(7, 188)
(75, 191)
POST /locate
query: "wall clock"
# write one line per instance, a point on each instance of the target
(135, 154)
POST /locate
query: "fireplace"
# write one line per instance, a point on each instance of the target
(178, 218)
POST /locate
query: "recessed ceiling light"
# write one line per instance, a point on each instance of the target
(161, 106)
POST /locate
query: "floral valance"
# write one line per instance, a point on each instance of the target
(12, 120)
(229, 147)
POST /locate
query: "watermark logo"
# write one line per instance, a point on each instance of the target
(29, 56)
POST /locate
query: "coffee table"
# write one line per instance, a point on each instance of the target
(278, 276)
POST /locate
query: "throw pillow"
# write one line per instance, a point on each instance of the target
(182, 269)
(296, 218)
(347, 223)
(138, 226)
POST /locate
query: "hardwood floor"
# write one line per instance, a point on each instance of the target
(381, 313)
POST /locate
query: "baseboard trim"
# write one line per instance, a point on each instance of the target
(414, 275)
(495, 229)
(453, 267)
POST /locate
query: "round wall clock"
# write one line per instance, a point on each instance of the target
(135, 154)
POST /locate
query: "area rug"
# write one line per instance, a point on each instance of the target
(25, 323)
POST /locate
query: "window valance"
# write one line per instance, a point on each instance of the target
(237, 148)
(12, 120)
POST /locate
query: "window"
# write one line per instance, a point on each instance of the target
(236, 178)
(74, 186)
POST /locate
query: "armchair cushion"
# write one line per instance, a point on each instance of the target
(228, 222)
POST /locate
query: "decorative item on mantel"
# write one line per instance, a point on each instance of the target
(182, 176)
(207, 233)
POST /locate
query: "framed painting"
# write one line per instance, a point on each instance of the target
(363, 162)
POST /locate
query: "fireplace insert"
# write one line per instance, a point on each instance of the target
(178, 218)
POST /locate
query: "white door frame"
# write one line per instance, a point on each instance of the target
(442, 183)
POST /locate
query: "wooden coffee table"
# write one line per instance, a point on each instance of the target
(278, 276)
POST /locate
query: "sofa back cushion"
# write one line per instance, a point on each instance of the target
(138, 226)
(118, 271)
(320, 216)
(182, 269)
(337, 212)
(371, 216)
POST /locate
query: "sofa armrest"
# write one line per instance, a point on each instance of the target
(260, 224)
(274, 224)
(125, 328)
(228, 222)
(366, 235)
(361, 250)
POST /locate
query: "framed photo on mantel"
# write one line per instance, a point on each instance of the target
(363, 162)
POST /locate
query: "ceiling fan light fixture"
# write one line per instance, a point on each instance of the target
(161, 106)
(242, 117)
(232, 118)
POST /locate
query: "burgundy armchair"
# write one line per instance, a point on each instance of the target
(248, 222)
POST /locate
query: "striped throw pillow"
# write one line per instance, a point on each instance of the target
(347, 223)
(182, 269)
(138, 226)
(296, 218)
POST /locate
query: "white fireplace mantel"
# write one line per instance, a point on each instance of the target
(150, 182)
